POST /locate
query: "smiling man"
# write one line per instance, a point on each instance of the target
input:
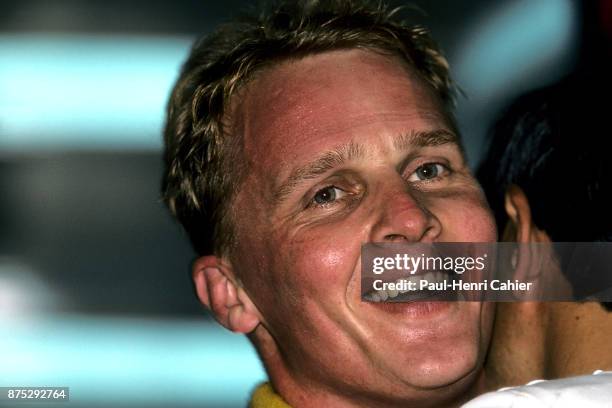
(291, 140)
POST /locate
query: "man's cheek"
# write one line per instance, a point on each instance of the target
(308, 286)
(465, 218)
(321, 264)
(480, 225)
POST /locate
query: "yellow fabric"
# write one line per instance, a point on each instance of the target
(265, 397)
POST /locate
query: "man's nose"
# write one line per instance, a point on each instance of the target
(404, 217)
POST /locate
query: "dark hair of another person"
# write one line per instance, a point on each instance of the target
(554, 144)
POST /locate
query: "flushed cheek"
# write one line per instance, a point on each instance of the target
(311, 278)
(465, 218)
(480, 226)
(319, 265)
(298, 262)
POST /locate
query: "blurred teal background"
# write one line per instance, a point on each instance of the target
(95, 291)
(116, 361)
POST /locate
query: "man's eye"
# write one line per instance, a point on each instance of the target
(427, 171)
(327, 195)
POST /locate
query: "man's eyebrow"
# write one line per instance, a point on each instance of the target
(321, 165)
(425, 139)
(352, 151)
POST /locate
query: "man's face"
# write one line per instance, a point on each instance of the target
(344, 148)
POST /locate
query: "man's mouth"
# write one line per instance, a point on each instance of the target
(428, 286)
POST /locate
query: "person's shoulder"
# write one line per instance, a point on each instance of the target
(583, 391)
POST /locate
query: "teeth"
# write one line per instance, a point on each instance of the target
(371, 297)
(435, 276)
(414, 278)
(399, 281)
(382, 294)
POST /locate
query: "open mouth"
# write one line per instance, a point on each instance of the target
(428, 286)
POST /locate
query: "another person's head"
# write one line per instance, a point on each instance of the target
(292, 139)
(548, 174)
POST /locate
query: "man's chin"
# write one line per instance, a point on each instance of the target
(455, 385)
(434, 389)
(446, 365)
(449, 376)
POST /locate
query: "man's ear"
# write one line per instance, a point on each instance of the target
(219, 291)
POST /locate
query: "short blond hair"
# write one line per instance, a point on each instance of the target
(201, 173)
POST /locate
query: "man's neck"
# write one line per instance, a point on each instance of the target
(548, 340)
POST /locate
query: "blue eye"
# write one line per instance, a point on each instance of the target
(427, 171)
(327, 195)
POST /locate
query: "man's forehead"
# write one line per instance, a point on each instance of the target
(300, 108)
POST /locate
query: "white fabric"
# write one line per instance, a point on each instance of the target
(582, 392)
